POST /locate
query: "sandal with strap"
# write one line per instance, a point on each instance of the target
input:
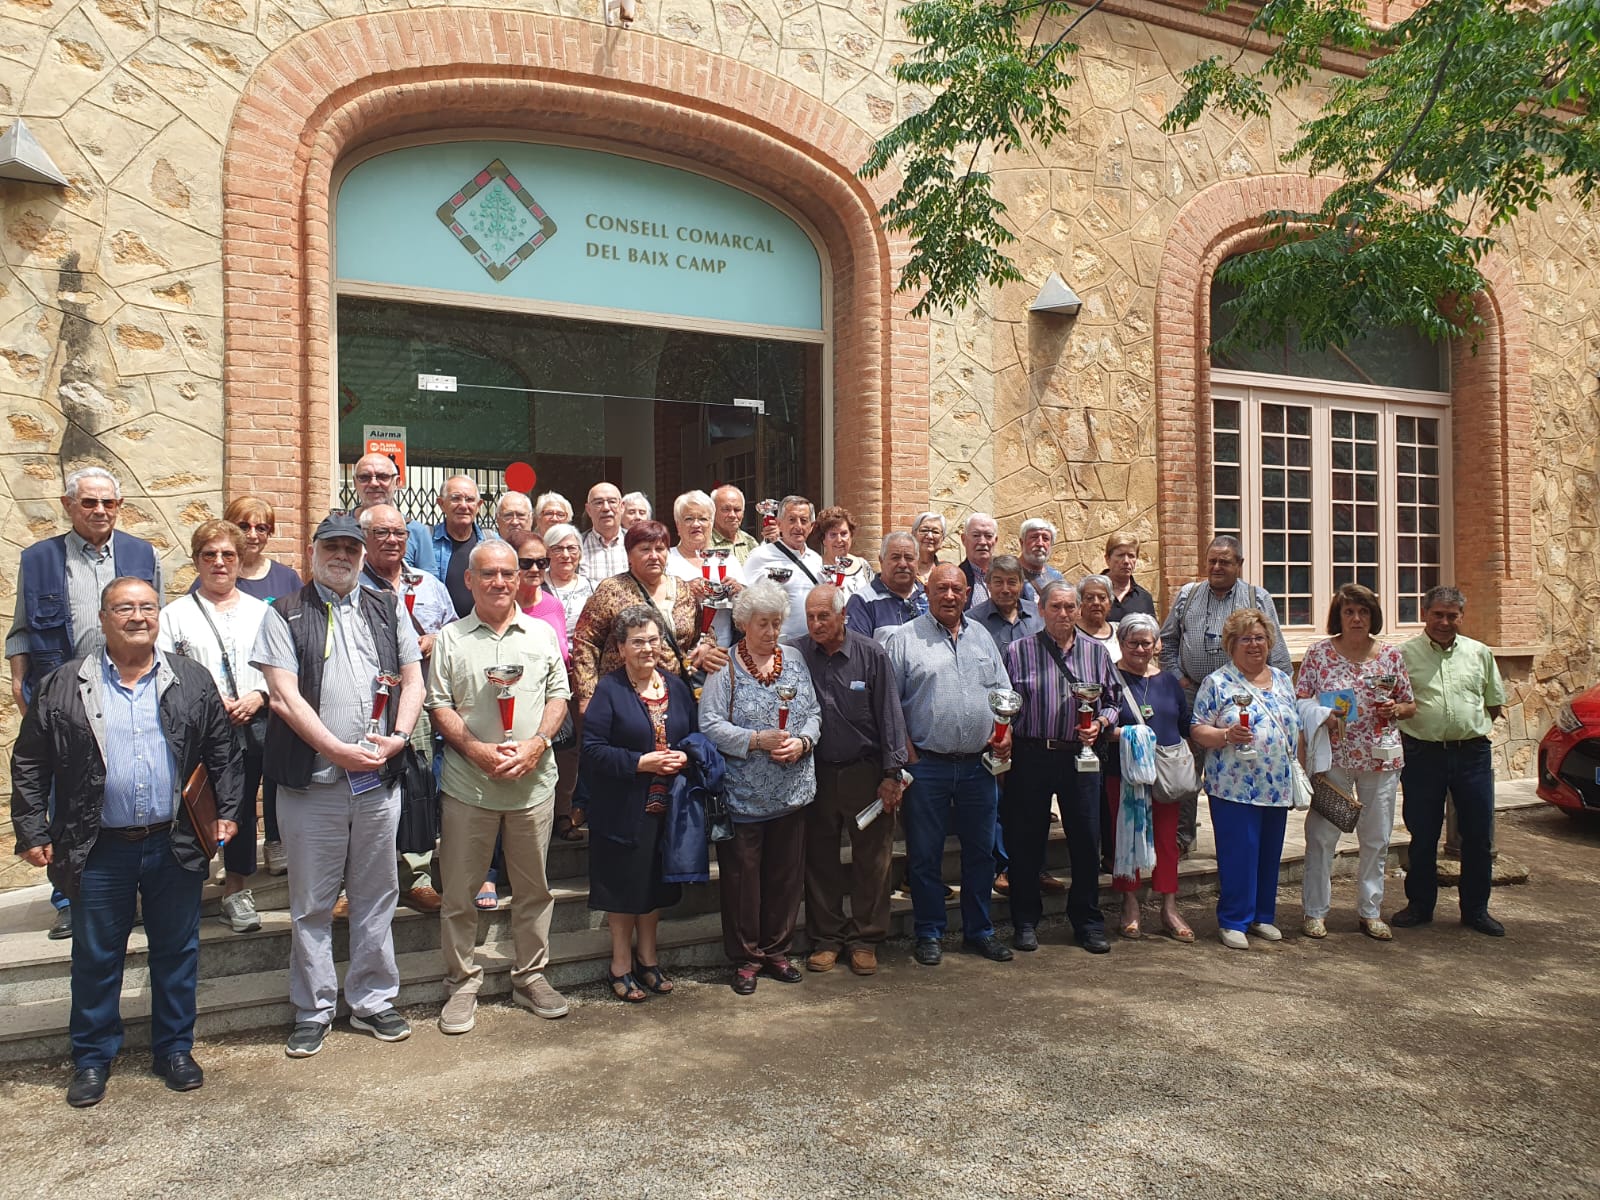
(1178, 933)
(626, 988)
(567, 831)
(653, 977)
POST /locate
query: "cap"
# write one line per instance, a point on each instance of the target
(338, 525)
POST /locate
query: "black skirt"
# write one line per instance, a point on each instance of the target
(627, 879)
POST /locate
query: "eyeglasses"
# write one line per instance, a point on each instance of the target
(496, 573)
(388, 535)
(376, 476)
(568, 549)
(252, 527)
(1254, 639)
(225, 556)
(643, 643)
(146, 609)
(534, 564)
(90, 503)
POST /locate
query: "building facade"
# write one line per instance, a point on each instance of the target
(646, 255)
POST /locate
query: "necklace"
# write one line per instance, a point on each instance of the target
(1143, 692)
(765, 678)
(652, 686)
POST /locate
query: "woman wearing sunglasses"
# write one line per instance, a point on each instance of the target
(259, 576)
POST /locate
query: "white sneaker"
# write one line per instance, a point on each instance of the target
(1267, 933)
(277, 861)
(1233, 939)
(239, 912)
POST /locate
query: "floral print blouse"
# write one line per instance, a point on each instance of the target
(1267, 779)
(759, 789)
(1326, 670)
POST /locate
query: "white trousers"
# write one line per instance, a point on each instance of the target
(332, 837)
(1376, 791)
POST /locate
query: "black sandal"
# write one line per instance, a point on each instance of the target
(567, 831)
(653, 977)
(626, 988)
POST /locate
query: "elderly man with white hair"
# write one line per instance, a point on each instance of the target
(78, 565)
(978, 536)
(728, 521)
(1038, 539)
(635, 508)
(513, 513)
(895, 596)
(789, 562)
(455, 536)
(377, 478)
(603, 552)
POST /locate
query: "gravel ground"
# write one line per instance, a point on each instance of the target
(1444, 1064)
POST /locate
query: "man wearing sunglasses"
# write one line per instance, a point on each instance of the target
(59, 582)
(377, 479)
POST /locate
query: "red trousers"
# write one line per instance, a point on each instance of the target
(1164, 826)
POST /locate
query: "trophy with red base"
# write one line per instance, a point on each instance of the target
(385, 683)
(410, 576)
(1005, 705)
(786, 692)
(504, 677)
(837, 569)
(769, 514)
(1087, 694)
(1241, 701)
(1386, 741)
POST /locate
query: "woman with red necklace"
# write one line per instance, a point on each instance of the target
(761, 712)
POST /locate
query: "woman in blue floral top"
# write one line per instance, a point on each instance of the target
(769, 782)
(1250, 795)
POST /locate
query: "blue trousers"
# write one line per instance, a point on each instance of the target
(1249, 853)
(1465, 772)
(116, 875)
(943, 793)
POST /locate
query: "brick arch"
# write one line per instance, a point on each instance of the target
(1491, 408)
(362, 79)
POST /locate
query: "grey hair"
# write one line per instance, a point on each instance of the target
(1103, 581)
(365, 518)
(1137, 623)
(688, 498)
(638, 498)
(500, 504)
(445, 486)
(1226, 541)
(123, 581)
(897, 535)
(966, 526)
(789, 502)
(728, 487)
(1033, 523)
(70, 490)
(763, 596)
(924, 518)
(1443, 594)
(1055, 585)
(560, 532)
(635, 616)
(1005, 564)
(552, 498)
(836, 597)
(490, 544)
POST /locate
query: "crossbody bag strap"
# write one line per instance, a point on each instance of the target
(797, 561)
(1054, 651)
(227, 663)
(1271, 711)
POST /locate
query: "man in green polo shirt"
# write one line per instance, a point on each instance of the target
(499, 779)
(1447, 752)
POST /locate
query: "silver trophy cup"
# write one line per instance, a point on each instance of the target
(505, 677)
(1242, 701)
(384, 685)
(1087, 694)
(1386, 744)
(786, 692)
(1005, 705)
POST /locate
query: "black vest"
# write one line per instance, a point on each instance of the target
(288, 760)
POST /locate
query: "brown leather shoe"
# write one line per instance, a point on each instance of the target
(822, 960)
(864, 960)
(1049, 885)
(1002, 885)
(422, 898)
(341, 908)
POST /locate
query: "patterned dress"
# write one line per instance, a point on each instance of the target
(1266, 779)
(594, 653)
(760, 789)
(1326, 670)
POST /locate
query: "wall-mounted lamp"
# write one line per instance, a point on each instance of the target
(21, 157)
(1056, 297)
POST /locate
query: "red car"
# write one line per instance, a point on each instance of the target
(1569, 756)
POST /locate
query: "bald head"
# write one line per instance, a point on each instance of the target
(376, 478)
(604, 506)
(947, 594)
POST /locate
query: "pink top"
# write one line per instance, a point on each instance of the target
(1326, 670)
(549, 610)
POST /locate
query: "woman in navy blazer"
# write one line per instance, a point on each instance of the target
(635, 716)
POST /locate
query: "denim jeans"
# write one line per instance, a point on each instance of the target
(945, 792)
(115, 875)
(1464, 771)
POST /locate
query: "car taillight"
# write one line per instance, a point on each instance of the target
(1567, 720)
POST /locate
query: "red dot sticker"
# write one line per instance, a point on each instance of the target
(520, 477)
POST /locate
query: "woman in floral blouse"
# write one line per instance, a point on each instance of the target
(1250, 794)
(769, 782)
(1352, 660)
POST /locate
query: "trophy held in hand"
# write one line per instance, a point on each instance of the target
(1087, 694)
(385, 684)
(1241, 701)
(1386, 740)
(1004, 704)
(786, 692)
(505, 677)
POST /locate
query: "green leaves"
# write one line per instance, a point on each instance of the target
(997, 86)
(1469, 113)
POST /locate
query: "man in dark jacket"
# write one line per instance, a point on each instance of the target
(118, 829)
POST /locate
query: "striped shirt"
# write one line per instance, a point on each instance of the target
(1191, 638)
(877, 610)
(1049, 709)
